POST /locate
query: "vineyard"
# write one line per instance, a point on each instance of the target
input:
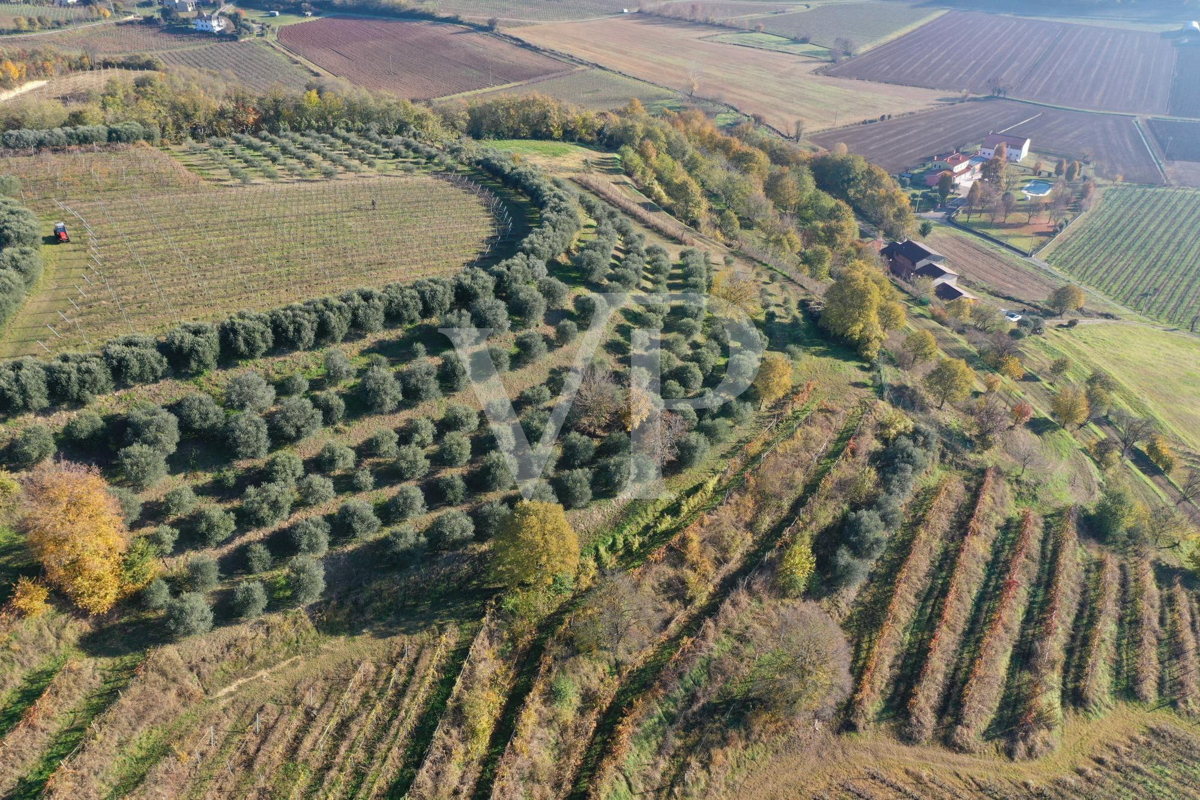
(22, 17)
(249, 64)
(1142, 248)
(180, 247)
(120, 39)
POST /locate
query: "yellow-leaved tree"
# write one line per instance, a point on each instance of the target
(76, 532)
(534, 545)
(774, 378)
(861, 307)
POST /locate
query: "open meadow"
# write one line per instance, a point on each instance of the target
(1111, 144)
(178, 247)
(415, 60)
(1141, 247)
(777, 86)
(1080, 66)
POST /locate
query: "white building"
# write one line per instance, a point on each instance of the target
(182, 6)
(1018, 146)
(209, 23)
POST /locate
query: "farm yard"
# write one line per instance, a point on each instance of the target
(1141, 247)
(1112, 144)
(250, 64)
(133, 264)
(1047, 62)
(415, 60)
(777, 86)
(592, 88)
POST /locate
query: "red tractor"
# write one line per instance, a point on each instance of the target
(60, 233)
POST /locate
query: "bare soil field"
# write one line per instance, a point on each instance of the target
(1177, 140)
(780, 87)
(1185, 92)
(990, 267)
(718, 10)
(415, 60)
(250, 64)
(520, 10)
(1082, 66)
(1111, 143)
(125, 37)
(864, 24)
(591, 88)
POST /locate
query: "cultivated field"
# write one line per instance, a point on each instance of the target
(120, 39)
(1178, 140)
(1185, 93)
(520, 11)
(986, 265)
(416, 60)
(591, 88)
(777, 86)
(716, 10)
(76, 86)
(22, 17)
(250, 64)
(1112, 144)
(1081, 66)
(164, 245)
(864, 24)
(1141, 247)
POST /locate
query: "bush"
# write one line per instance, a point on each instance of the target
(249, 600)
(315, 490)
(565, 332)
(693, 448)
(154, 427)
(531, 347)
(164, 538)
(283, 468)
(491, 314)
(380, 391)
(455, 449)
(306, 576)
(130, 503)
(335, 457)
(310, 536)
(450, 490)
(179, 502)
(452, 529)
(156, 595)
(33, 444)
(420, 432)
(267, 504)
(357, 519)
(202, 573)
(407, 503)
(245, 335)
(611, 475)
(249, 391)
(500, 357)
(554, 291)
(411, 462)
(84, 429)
(527, 305)
(574, 488)
(452, 374)
(577, 450)
(246, 435)
(463, 419)
(189, 615)
(293, 385)
(258, 558)
(142, 465)
(295, 419)
(199, 415)
(338, 368)
(213, 525)
(494, 473)
(362, 480)
(331, 406)
(419, 382)
(383, 444)
(405, 547)
(193, 348)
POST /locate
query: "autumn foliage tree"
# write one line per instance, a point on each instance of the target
(1071, 407)
(1067, 298)
(951, 380)
(535, 544)
(774, 378)
(77, 533)
(861, 307)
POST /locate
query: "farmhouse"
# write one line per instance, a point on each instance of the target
(209, 23)
(963, 167)
(1018, 146)
(182, 6)
(909, 260)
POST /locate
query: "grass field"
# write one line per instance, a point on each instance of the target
(865, 25)
(778, 86)
(1079, 66)
(771, 41)
(250, 64)
(1111, 144)
(1141, 247)
(177, 247)
(416, 60)
(591, 88)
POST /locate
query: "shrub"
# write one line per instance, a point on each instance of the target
(315, 490)
(192, 348)
(249, 599)
(130, 503)
(494, 473)
(693, 448)
(489, 517)
(213, 525)
(574, 488)
(306, 577)
(565, 332)
(154, 427)
(202, 573)
(455, 449)
(420, 432)
(450, 530)
(142, 465)
(380, 391)
(267, 504)
(179, 502)
(283, 468)
(293, 385)
(331, 406)
(84, 429)
(611, 475)
(534, 422)
(419, 382)
(383, 444)
(460, 418)
(163, 538)
(577, 450)
(490, 313)
(335, 457)
(246, 435)
(338, 368)
(310, 536)
(245, 335)
(411, 462)
(500, 357)
(33, 444)
(530, 347)
(199, 415)
(452, 374)
(189, 615)
(404, 546)
(449, 490)
(295, 419)
(362, 480)
(534, 396)
(527, 305)
(258, 558)
(554, 291)
(407, 503)
(156, 595)
(249, 391)
(356, 518)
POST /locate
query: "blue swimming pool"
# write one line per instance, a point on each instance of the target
(1038, 188)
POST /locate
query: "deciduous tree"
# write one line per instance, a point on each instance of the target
(534, 545)
(951, 380)
(1067, 298)
(1070, 406)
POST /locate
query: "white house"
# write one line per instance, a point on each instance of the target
(209, 23)
(62, 3)
(182, 6)
(1018, 146)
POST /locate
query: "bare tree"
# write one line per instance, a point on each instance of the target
(1026, 449)
(1189, 488)
(694, 75)
(1131, 429)
(598, 401)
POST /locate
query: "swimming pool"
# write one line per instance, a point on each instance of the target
(1038, 188)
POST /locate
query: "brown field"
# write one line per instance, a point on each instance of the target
(250, 64)
(990, 267)
(778, 86)
(591, 88)
(1111, 143)
(1185, 93)
(520, 11)
(416, 60)
(718, 10)
(128, 37)
(1177, 140)
(1082, 66)
(864, 24)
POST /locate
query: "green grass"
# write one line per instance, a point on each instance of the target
(18, 701)
(14, 561)
(547, 149)
(771, 41)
